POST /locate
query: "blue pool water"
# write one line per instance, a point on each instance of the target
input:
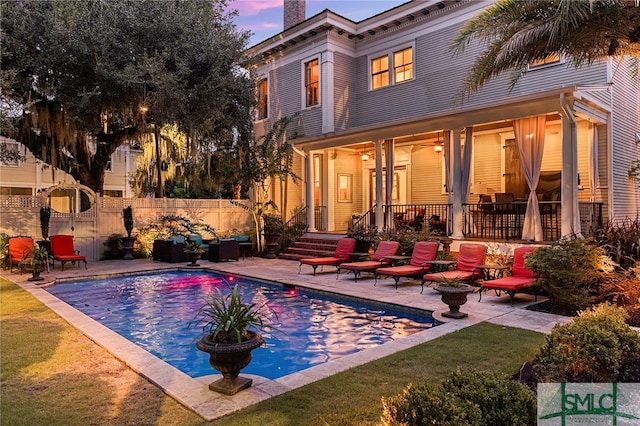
(154, 310)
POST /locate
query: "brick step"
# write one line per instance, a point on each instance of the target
(311, 246)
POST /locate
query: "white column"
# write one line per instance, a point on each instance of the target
(308, 175)
(569, 214)
(326, 92)
(389, 161)
(379, 218)
(457, 219)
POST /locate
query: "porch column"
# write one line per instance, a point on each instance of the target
(389, 161)
(308, 176)
(378, 210)
(570, 213)
(457, 219)
(326, 92)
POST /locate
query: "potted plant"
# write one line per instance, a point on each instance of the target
(127, 242)
(231, 331)
(453, 292)
(45, 216)
(273, 228)
(193, 251)
(37, 259)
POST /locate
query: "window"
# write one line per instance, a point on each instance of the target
(10, 154)
(263, 99)
(391, 68)
(312, 83)
(403, 65)
(380, 72)
(344, 188)
(549, 60)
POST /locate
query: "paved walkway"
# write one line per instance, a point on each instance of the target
(194, 393)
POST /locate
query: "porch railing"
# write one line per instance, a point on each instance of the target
(418, 217)
(294, 228)
(319, 218)
(590, 217)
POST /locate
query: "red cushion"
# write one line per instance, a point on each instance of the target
(367, 265)
(19, 247)
(519, 269)
(70, 258)
(385, 248)
(62, 245)
(509, 283)
(400, 271)
(321, 261)
(422, 252)
(344, 247)
(470, 256)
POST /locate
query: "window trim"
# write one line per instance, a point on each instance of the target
(266, 116)
(390, 53)
(303, 64)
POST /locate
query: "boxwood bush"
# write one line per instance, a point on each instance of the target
(595, 346)
(464, 397)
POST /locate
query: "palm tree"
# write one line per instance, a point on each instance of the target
(519, 32)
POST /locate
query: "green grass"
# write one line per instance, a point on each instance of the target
(52, 374)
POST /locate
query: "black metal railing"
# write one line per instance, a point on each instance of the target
(418, 217)
(294, 228)
(590, 217)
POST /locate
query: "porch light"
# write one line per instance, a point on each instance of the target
(365, 157)
(437, 148)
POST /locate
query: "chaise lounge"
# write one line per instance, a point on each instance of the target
(423, 252)
(521, 278)
(469, 256)
(378, 260)
(343, 248)
(63, 251)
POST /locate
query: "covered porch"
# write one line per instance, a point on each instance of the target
(534, 168)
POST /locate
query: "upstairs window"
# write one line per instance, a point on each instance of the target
(549, 60)
(393, 67)
(403, 65)
(312, 83)
(380, 72)
(263, 99)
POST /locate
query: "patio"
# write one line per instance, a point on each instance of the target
(194, 394)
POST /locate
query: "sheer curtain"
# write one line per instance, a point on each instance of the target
(593, 162)
(530, 134)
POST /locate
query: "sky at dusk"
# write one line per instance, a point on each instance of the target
(264, 18)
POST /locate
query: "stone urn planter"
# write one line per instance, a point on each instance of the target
(229, 359)
(454, 296)
(127, 246)
(271, 242)
(193, 256)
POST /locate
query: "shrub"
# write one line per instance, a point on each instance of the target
(407, 238)
(465, 397)
(566, 270)
(592, 347)
(621, 241)
(113, 249)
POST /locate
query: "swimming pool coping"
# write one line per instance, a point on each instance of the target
(194, 393)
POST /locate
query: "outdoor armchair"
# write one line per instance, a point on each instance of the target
(63, 251)
(343, 248)
(19, 249)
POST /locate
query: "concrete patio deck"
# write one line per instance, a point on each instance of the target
(194, 393)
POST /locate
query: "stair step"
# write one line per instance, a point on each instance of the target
(312, 245)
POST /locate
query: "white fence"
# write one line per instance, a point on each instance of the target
(20, 215)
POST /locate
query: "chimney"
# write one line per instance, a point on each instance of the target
(294, 13)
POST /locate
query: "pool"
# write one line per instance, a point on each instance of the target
(153, 310)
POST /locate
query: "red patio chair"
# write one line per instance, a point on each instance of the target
(378, 260)
(521, 278)
(343, 248)
(469, 256)
(423, 251)
(19, 251)
(63, 251)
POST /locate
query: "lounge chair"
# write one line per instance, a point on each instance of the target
(423, 251)
(19, 249)
(378, 260)
(521, 278)
(469, 256)
(170, 250)
(343, 248)
(63, 251)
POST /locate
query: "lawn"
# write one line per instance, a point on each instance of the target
(52, 374)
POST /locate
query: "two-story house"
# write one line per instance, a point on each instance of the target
(382, 130)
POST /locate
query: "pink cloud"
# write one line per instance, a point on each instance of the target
(254, 7)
